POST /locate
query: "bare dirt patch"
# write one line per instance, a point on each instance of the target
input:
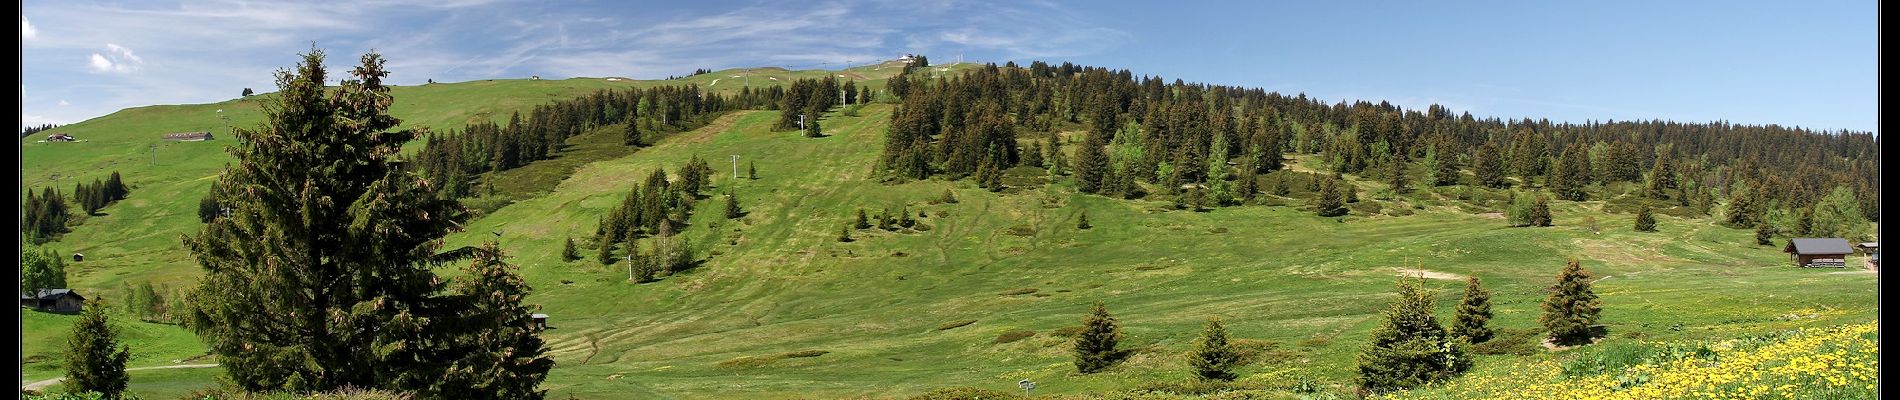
(1429, 274)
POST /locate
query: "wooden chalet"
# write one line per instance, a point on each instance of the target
(1819, 252)
(53, 300)
(188, 136)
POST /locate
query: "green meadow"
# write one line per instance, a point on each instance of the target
(979, 296)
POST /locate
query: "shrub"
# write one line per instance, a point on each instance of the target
(1014, 335)
(1017, 292)
(1519, 342)
(955, 324)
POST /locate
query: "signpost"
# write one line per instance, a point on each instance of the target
(1026, 385)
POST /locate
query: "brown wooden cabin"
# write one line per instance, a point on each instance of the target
(53, 300)
(1818, 252)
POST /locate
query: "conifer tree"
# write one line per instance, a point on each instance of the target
(844, 233)
(642, 265)
(751, 170)
(1395, 175)
(501, 355)
(1330, 203)
(1443, 166)
(631, 136)
(1058, 162)
(1409, 348)
(95, 360)
(1095, 345)
(1474, 312)
(1764, 234)
(1529, 156)
(732, 206)
(1249, 187)
(1082, 222)
(862, 222)
(330, 241)
(1645, 222)
(115, 187)
(989, 177)
(1572, 307)
(1489, 167)
(208, 208)
(1032, 157)
(812, 129)
(1212, 358)
(1742, 209)
(1572, 172)
(1662, 177)
(89, 197)
(1352, 191)
(1091, 166)
(568, 252)
(1804, 225)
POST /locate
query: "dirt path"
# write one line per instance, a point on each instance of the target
(1429, 274)
(49, 382)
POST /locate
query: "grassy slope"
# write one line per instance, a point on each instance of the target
(1311, 284)
(137, 240)
(781, 283)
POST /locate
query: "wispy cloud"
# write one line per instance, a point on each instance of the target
(26, 29)
(206, 51)
(117, 59)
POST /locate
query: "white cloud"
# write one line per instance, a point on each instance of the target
(118, 59)
(63, 103)
(26, 29)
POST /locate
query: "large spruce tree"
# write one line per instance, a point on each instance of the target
(1572, 307)
(320, 276)
(95, 360)
(1095, 345)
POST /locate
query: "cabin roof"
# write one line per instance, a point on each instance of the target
(1819, 246)
(49, 294)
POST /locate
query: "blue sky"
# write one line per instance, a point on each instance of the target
(1810, 64)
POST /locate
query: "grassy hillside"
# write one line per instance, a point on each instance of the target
(782, 309)
(781, 283)
(137, 239)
